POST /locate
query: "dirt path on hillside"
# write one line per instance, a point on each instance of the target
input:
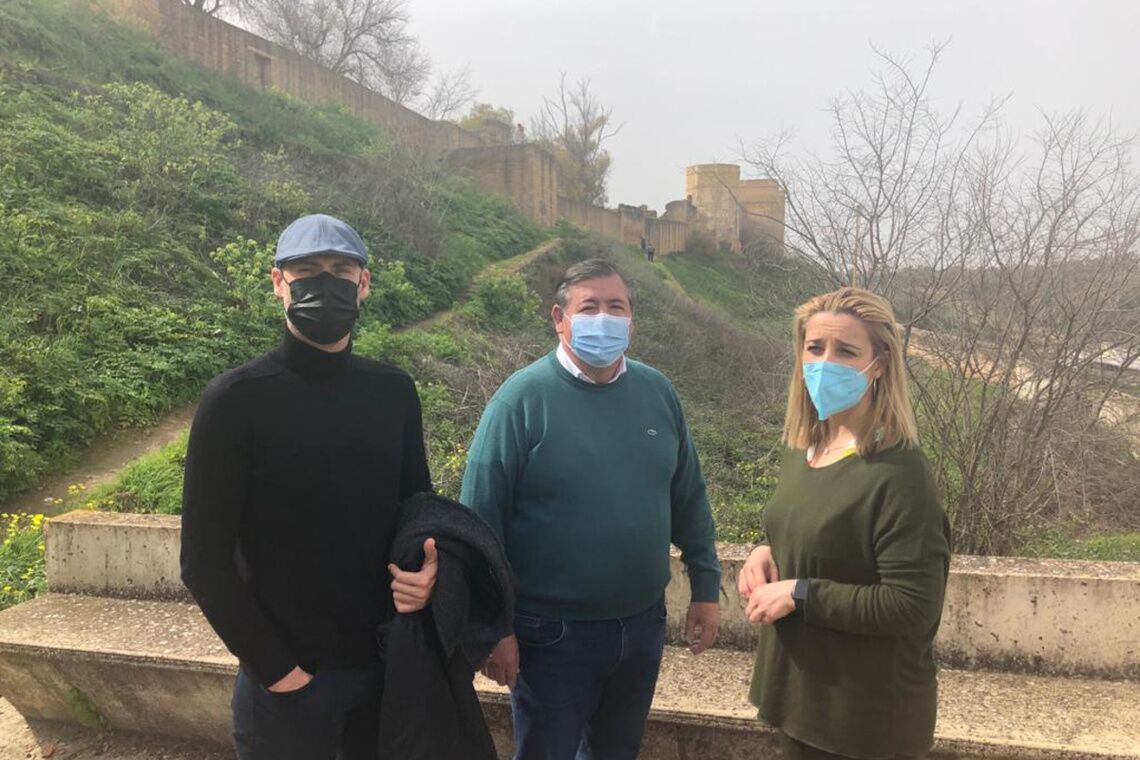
(102, 461)
(500, 268)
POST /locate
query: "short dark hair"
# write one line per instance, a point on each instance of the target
(590, 269)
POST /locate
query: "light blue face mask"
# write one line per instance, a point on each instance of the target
(599, 339)
(834, 388)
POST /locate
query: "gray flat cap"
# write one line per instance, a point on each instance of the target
(319, 233)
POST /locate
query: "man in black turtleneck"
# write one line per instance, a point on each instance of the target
(296, 464)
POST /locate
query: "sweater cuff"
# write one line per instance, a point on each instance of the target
(704, 585)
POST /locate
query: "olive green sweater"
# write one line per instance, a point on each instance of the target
(853, 671)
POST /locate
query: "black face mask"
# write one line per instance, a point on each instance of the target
(323, 308)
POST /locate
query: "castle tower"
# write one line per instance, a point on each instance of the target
(763, 203)
(712, 189)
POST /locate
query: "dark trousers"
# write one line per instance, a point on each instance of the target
(794, 749)
(585, 687)
(336, 715)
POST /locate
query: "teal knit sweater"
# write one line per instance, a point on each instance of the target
(588, 485)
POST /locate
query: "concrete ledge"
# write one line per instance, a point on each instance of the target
(1057, 617)
(156, 667)
(115, 554)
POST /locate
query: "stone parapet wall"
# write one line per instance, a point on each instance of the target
(1041, 616)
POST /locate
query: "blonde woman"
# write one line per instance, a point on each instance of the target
(848, 592)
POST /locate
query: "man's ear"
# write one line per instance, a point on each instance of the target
(561, 323)
(365, 283)
(279, 285)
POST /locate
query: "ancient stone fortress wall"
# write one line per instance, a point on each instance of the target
(667, 236)
(605, 222)
(526, 174)
(736, 212)
(762, 204)
(711, 188)
(265, 65)
(717, 199)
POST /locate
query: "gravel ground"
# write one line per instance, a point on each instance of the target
(40, 740)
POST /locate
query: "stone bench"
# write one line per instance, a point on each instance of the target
(156, 667)
(1057, 617)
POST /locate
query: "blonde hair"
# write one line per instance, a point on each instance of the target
(891, 419)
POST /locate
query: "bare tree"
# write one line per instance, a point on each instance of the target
(449, 94)
(366, 40)
(1015, 271)
(880, 204)
(1030, 420)
(574, 126)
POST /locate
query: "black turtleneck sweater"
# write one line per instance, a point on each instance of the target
(296, 465)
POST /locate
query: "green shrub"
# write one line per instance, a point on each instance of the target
(404, 349)
(502, 304)
(393, 299)
(139, 198)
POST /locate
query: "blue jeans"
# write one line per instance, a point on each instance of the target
(585, 687)
(336, 715)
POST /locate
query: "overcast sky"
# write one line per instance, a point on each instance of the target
(690, 80)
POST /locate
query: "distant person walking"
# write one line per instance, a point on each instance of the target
(849, 589)
(650, 252)
(584, 464)
(296, 465)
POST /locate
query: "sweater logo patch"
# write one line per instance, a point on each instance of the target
(651, 431)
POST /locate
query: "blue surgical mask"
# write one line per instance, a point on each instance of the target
(599, 339)
(834, 388)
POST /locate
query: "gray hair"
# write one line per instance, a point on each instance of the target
(590, 269)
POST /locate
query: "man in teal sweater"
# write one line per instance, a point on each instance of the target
(583, 464)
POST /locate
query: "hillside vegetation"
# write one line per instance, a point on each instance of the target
(139, 200)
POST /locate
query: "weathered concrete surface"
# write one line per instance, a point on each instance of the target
(156, 667)
(1057, 617)
(1042, 615)
(114, 554)
(1060, 617)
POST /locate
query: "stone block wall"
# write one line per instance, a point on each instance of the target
(605, 222)
(262, 64)
(668, 236)
(627, 224)
(762, 204)
(525, 173)
(717, 199)
(712, 190)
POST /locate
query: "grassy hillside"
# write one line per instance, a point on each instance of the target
(758, 296)
(139, 200)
